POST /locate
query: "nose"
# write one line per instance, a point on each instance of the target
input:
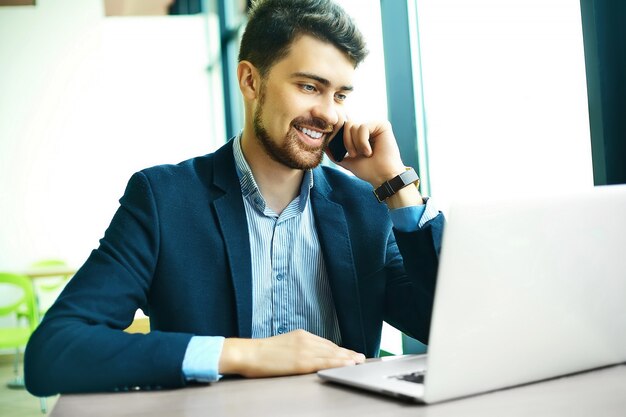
(327, 109)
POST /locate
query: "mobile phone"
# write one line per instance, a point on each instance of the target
(337, 148)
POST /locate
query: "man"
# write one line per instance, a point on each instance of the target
(254, 260)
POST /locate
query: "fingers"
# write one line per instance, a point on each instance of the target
(373, 154)
(325, 356)
(317, 364)
(357, 139)
(313, 347)
(292, 353)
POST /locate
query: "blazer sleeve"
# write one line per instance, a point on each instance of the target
(413, 261)
(80, 345)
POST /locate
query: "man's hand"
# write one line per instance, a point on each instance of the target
(296, 352)
(373, 156)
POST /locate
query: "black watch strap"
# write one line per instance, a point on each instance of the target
(389, 188)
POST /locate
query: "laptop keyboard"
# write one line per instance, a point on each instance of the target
(417, 377)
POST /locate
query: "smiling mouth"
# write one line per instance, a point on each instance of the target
(314, 134)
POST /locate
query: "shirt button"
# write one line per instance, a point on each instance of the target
(281, 330)
(280, 277)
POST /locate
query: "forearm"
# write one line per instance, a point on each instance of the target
(67, 355)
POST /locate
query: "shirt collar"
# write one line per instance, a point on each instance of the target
(249, 188)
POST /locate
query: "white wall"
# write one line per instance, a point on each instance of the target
(85, 101)
(505, 97)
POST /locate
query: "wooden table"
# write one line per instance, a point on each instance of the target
(597, 393)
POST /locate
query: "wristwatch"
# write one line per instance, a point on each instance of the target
(389, 188)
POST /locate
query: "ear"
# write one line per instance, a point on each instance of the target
(249, 80)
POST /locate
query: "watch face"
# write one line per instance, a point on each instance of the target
(408, 177)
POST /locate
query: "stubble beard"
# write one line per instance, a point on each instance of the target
(292, 153)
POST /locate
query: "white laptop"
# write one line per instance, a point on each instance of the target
(528, 289)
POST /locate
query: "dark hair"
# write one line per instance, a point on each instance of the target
(274, 24)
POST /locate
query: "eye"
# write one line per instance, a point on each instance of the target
(341, 97)
(308, 87)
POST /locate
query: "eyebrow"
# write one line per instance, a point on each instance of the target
(320, 80)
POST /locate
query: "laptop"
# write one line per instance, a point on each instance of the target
(528, 289)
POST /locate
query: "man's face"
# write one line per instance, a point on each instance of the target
(301, 102)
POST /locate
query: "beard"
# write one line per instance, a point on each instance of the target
(292, 153)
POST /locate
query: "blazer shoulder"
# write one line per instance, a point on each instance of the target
(200, 166)
(214, 168)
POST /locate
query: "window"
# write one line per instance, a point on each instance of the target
(505, 97)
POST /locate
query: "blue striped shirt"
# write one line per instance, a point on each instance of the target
(290, 288)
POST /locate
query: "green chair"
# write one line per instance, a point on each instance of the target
(18, 302)
(48, 289)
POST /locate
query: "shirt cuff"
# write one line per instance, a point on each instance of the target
(202, 358)
(410, 219)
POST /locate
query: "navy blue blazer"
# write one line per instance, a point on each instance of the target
(178, 248)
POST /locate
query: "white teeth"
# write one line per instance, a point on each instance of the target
(312, 133)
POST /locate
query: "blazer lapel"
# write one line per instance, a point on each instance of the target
(231, 217)
(332, 230)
